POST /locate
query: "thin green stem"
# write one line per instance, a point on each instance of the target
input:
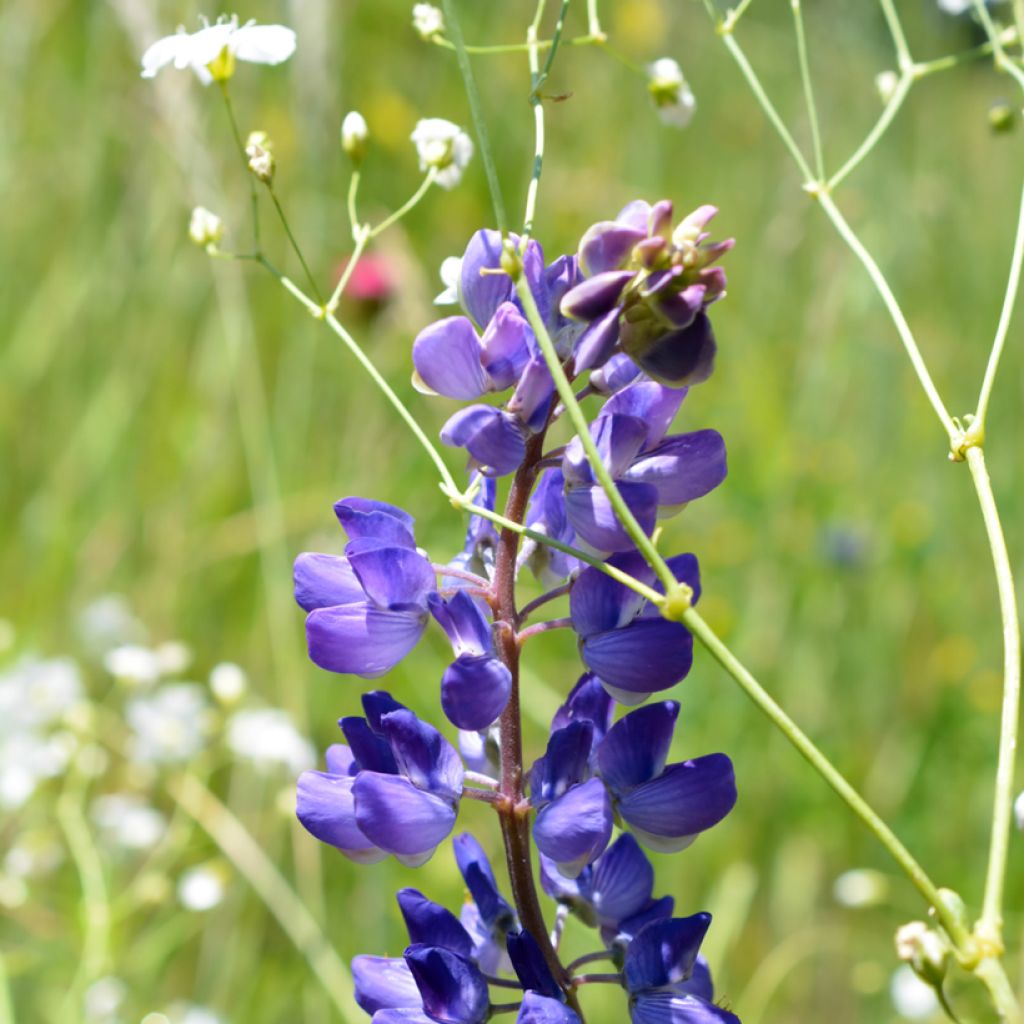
(542, 538)
(953, 60)
(408, 205)
(362, 236)
(556, 38)
(824, 767)
(477, 113)
(590, 39)
(725, 30)
(977, 426)
(891, 109)
(903, 328)
(1004, 999)
(579, 421)
(6, 1003)
(538, 117)
(350, 203)
(238, 845)
(733, 16)
(990, 925)
(593, 21)
(899, 40)
(294, 243)
(254, 199)
(808, 86)
(1003, 61)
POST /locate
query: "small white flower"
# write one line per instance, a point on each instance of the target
(886, 83)
(860, 887)
(26, 759)
(172, 724)
(267, 736)
(126, 820)
(228, 682)
(107, 622)
(444, 146)
(211, 52)
(201, 888)
(37, 692)
(354, 135)
(671, 94)
(133, 663)
(451, 270)
(912, 998)
(205, 228)
(427, 20)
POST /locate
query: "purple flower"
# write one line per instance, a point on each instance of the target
(546, 514)
(495, 439)
(665, 806)
(574, 813)
(645, 292)
(540, 1009)
(475, 688)
(623, 638)
(384, 983)
(477, 554)
(487, 916)
(656, 475)
(394, 789)
(451, 986)
(368, 609)
(661, 978)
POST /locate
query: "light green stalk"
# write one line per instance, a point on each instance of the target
(808, 87)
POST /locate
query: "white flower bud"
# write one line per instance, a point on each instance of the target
(444, 146)
(261, 160)
(671, 94)
(886, 83)
(427, 20)
(205, 228)
(925, 950)
(354, 136)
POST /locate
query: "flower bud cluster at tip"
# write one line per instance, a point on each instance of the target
(258, 150)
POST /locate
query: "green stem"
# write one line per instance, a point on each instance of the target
(903, 328)
(1004, 999)
(733, 16)
(899, 40)
(808, 86)
(892, 108)
(572, 407)
(589, 39)
(821, 764)
(477, 113)
(294, 243)
(556, 38)
(991, 922)
(409, 204)
(594, 22)
(254, 199)
(6, 1003)
(953, 60)
(362, 236)
(350, 203)
(1003, 62)
(977, 426)
(238, 845)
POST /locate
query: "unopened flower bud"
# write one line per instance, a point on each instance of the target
(205, 228)
(671, 94)
(354, 136)
(261, 160)
(886, 83)
(1002, 117)
(925, 950)
(427, 20)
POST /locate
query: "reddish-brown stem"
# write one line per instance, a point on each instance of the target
(543, 627)
(513, 811)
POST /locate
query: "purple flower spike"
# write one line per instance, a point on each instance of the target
(632, 651)
(530, 966)
(405, 1016)
(667, 807)
(607, 245)
(680, 357)
(482, 288)
(487, 917)
(539, 1009)
(368, 609)
(452, 988)
(588, 701)
(546, 514)
(494, 439)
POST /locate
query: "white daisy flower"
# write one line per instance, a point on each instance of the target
(444, 146)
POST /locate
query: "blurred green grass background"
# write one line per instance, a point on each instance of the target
(175, 430)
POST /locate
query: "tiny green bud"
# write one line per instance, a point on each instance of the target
(261, 161)
(1002, 117)
(925, 950)
(954, 903)
(205, 228)
(354, 136)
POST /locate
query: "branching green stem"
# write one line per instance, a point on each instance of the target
(477, 113)
(808, 86)
(362, 237)
(594, 22)
(350, 203)
(254, 198)
(294, 242)
(693, 621)
(1003, 61)
(407, 205)
(899, 40)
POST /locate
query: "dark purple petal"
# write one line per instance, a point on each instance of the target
(680, 357)
(325, 807)
(594, 518)
(452, 988)
(396, 816)
(647, 656)
(463, 621)
(636, 747)
(699, 983)
(598, 603)
(654, 404)
(474, 690)
(529, 964)
(686, 799)
(423, 755)
(322, 581)
(597, 343)
(478, 875)
(607, 245)
(391, 577)
(506, 346)
(588, 701)
(683, 468)
(494, 439)
(679, 308)
(482, 293)
(533, 272)
(664, 952)
(656, 910)
(621, 882)
(371, 752)
(565, 762)
(361, 639)
(384, 983)
(665, 1008)
(531, 402)
(428, 922)
(618, 440)
(619, 371)
(361, 517)
(538, 1009)
(447, 356)
(575, 828)
(377, 704)
(596, 295)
